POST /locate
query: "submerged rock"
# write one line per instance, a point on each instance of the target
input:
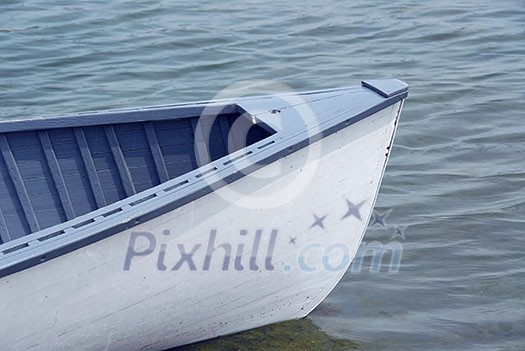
(296, 335)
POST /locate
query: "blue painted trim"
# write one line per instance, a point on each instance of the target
(85, 119)
(89, 164)
(18, 183)
(120, 161)
(52, 242)
(56, 173)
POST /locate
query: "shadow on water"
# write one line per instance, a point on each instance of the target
(296, 335)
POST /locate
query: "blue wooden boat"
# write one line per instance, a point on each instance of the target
(155, 227)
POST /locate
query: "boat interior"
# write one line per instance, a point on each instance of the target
(54, 174)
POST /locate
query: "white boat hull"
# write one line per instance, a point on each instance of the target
(114, 295)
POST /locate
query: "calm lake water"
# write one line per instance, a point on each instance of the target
(455, 185)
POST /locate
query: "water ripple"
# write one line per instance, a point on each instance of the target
(456, 179)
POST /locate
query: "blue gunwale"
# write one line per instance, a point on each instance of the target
(99, 118)
(43, 245)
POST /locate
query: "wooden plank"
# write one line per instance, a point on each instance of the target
(120, 161)
(96, 187)
(225, 131)
(56, 173)
(4, 233)
(200, 143)
(154, 146)
(19, 185)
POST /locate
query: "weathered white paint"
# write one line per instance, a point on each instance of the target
(84, 300)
